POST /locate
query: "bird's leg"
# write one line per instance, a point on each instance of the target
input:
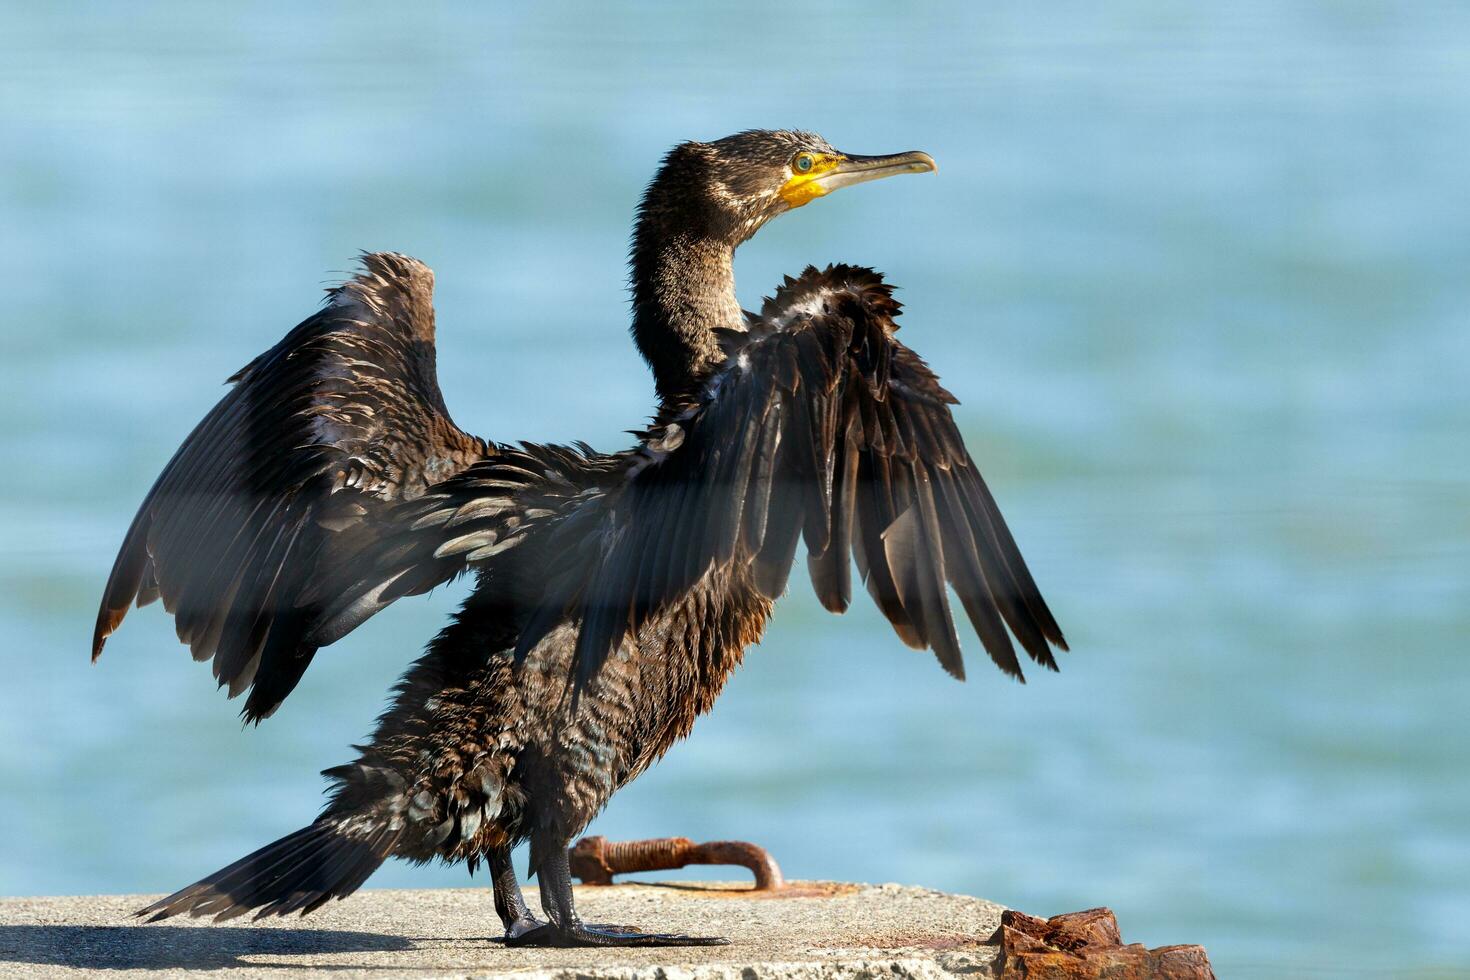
(510, 904)
(566, 929)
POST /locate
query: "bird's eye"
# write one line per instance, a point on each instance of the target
(803, 163)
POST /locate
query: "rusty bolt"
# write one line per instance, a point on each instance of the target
(595, 860)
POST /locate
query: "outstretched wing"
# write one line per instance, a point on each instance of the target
(244, 533)
(819, 425)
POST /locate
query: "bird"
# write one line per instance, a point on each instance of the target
(614, 593)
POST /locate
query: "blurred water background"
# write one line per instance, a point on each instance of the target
(1199, 276)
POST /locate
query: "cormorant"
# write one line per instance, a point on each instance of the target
(615, 592)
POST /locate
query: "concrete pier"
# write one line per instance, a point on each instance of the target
(810, 930)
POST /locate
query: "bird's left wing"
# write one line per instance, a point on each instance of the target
(819, 425)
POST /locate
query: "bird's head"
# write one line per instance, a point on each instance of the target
(734, 185)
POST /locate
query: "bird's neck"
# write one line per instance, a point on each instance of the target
(683, 291)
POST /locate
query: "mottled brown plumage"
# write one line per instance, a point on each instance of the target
(615, 593)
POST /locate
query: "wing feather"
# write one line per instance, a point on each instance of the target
(821, 426)
(301, 464)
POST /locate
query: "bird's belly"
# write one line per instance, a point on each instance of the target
(504, 752)
(649, 693)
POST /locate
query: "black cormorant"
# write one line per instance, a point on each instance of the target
(615, 592)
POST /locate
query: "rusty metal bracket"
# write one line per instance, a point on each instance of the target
(595, 860)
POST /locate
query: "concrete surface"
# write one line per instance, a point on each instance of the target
(812, 930)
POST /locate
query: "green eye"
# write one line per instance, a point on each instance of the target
(803, 163)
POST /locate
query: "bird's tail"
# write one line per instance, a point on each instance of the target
(299, 872)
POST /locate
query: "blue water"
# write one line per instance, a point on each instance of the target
(1198, 275)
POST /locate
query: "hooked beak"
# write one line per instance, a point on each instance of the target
(854, 169)
(834, 171)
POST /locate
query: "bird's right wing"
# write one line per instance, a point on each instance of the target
(246, 535)
(819, 425)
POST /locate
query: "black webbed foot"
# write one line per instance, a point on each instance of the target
(521, 927)
(517, 930)
(582, 934)
(567, 930)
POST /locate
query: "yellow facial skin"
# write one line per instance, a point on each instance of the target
(803, 187)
